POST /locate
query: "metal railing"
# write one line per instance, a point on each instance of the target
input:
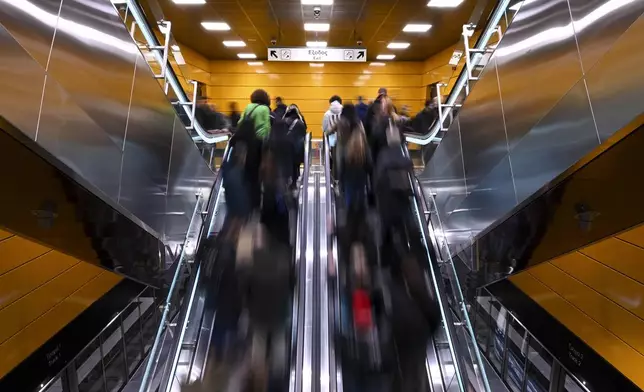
(472, 58)
(164, 355)
(161, 52)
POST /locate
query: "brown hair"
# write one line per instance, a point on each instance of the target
(356, 146)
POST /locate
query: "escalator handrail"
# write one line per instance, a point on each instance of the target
(150, 369)
(297, 327)
(461, 82)
(171, 76)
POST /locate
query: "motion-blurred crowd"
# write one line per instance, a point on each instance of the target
(386, 309)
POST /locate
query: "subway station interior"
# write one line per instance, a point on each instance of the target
(434, 196)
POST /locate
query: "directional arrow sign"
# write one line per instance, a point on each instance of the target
(349, 55)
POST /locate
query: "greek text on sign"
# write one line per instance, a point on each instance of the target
(317, 54)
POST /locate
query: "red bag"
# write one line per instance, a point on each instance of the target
(362, 317)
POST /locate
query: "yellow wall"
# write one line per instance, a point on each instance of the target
(41, 291)
(310, 88)
(597, 292)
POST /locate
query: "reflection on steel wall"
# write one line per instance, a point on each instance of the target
(75, 82)
(566, 76)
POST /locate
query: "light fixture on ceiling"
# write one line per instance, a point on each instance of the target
(444, 3)
(215, 26)
(175, 48)
(183, 2)
(398, 45)
(317, 26)
(255, 63)
(316, 65)
(377, 64)
(417, 28)
(234, 44)
(246, 55)
(386, 56)
(178, 57)
(515, 7)
(316, 44)
(317, 2)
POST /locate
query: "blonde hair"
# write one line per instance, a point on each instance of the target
(388, 107)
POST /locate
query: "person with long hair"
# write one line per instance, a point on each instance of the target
(297, 134)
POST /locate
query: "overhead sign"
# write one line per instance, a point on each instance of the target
(456, 57)
(318, 54)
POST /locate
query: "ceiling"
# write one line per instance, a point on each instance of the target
(257, 22)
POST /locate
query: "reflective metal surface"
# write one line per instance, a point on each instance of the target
(22, 80)
(547, 110)
(74, 81)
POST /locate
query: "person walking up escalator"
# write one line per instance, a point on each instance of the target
(297, 134)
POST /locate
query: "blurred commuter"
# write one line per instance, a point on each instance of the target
(426, 117)
(331, 117)
(234, 115)
(267, 294)
(297, 134)
(253, 127)
(280, 107)
(362, 108)
(384, 122)
(373, 110)
(236, 182)
(278, 157)
(353, 162)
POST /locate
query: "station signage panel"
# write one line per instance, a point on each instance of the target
(349, 55)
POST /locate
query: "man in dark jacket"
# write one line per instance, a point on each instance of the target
(280, 107)
(426, 117)
(362, 108)
(372, 110)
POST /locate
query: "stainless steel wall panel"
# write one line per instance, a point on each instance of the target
(482, 129)
(67, 132)
(566, 134)
(616, 83)
(599, 23)
(494, 197)
(188, 175)
(32, 23)
(22, 81)
(93, 46)
(538, 62)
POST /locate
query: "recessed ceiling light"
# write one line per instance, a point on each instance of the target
(417, 28)
(189, 1)
(516, 6)
(317, 2)
(234, 44)
(175, 48)
(386, 56)
(377, 64)
(246, 55)
(316, 65)
(178, 57)
(215, 26)
(255, 63)
(316, 44)
(316, 26)
(444, 3)
(398, 45)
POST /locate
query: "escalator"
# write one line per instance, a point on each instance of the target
(189, 347)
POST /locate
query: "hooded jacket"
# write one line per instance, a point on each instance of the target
(331, 116)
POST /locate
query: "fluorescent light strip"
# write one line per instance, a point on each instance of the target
(246, 55)
(215, 26)
(316, 65)
(255, 63)
(234, 44)
(417, 28)
(386, 56)
(377, 64)
(317, 2)
(178, 57)
(183, 2)
(316, 44)
(398, 45)
(317, 26)
(444, 3)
